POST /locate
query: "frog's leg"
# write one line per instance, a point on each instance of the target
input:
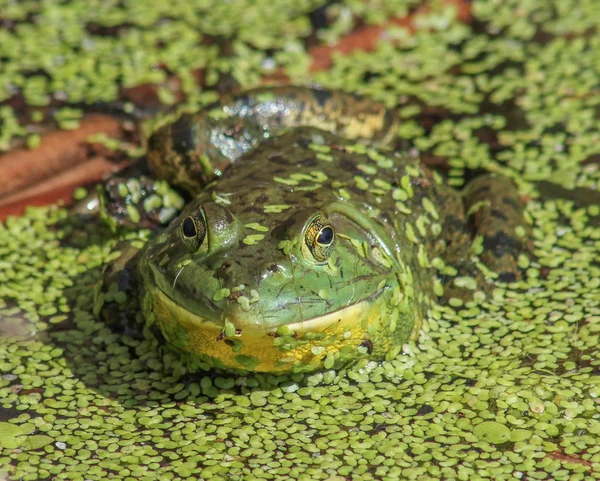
(484, 235)
(132, 199)
(196, 148)
(452, 247)
(495, 214)
(133, 203)
(116, 298)
(155, 203)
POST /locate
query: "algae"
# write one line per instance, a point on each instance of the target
(506, 387)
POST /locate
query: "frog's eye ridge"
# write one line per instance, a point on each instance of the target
(193, 231)
(320, 238)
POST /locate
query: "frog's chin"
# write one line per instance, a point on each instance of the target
(255, 347)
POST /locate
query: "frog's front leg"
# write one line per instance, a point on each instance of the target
(133, 203)
(128, 204)
(196, 148)
(132, 199)
(116, 298)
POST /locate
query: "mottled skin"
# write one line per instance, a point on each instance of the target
(197, 147)
(311, 248)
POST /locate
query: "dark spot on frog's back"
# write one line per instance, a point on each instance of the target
(252, 209)
(507, 277)
(280, 231)
(262, 199)
(512, 202)
(501, 244)
(499, 214)
(309, 195)
(322, 96)
(302, 142)
(308, 162)
(347, 165)
(224, 271)
(385, 217)
(182, 134)
(454, 224)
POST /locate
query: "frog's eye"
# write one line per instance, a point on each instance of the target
(193, 231)
(320, 238)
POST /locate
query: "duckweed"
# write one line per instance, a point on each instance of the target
(499, 387)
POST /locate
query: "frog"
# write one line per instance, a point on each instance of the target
(301, 239)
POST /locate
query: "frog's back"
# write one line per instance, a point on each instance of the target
(198, 147)
(393, 195)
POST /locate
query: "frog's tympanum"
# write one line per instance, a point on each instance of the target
(304, 241)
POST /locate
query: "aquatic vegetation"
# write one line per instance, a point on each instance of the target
(496, 388)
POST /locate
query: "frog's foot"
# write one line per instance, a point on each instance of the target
(501, 234)
(116, 295)
(133, 203)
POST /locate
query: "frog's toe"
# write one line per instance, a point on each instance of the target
(138, 203)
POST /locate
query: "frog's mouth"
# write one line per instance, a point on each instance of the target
(182, 315)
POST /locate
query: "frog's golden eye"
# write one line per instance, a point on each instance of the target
(193, 231)
(320, 238)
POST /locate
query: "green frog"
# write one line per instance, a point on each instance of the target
(302, 240)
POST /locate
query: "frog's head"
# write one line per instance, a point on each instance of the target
(276, 287)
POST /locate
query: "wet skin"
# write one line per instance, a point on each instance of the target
(306, 242)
